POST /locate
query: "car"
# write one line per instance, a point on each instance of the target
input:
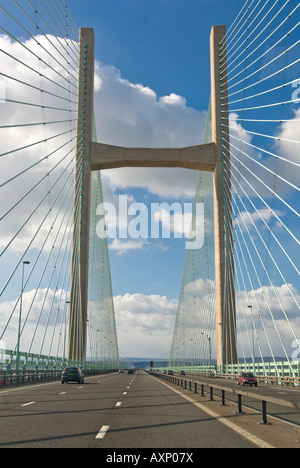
(164, 372)
(170, 372)
(121, 371)
(72, 374)
(130, 371)
(246, 378)
(182, 373)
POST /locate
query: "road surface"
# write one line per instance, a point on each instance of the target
(108, 411)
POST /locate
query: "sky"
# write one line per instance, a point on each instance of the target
(152, 89)
(161, 44)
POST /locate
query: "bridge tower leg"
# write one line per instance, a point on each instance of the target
(82, 198)
(224, 258)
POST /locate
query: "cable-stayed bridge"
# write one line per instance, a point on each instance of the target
(239, 301)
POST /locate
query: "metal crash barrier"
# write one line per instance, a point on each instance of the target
(31, 376)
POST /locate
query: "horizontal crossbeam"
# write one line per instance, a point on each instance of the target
(201, 157)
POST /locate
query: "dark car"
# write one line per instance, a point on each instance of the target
(72, 374)
(246, 378)
(130, 371)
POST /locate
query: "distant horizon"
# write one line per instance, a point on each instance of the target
(214, 361)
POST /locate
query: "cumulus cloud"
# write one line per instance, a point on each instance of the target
(290, 131)
(145, 323)
(262, 218)
(130, 114)
(122, 247)
(200, 286)
(289, 150)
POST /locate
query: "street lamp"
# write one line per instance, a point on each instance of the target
(20, 318)
(210, 351)
(253, 343)
(65, 334)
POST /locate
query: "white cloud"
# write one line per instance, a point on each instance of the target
(130, 114)
(248, 219)
(145, 323)
(166, 183)
(122, 247)
(200, 286)
(248, 162)
(290, 131)
(173, 100)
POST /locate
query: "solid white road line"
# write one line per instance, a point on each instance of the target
(102, 432)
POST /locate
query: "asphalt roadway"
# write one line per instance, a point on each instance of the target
(109, 412)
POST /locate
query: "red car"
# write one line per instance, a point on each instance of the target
(246, 378)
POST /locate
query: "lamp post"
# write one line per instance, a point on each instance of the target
(210, 351)
(65, 334)
(253, 343)
(20, 318)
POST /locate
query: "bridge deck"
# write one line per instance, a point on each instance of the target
(112, 411)
(148, 415)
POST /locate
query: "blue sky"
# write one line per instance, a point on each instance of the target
(163, 44)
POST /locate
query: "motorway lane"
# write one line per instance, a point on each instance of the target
(154, 416)
(132, 412)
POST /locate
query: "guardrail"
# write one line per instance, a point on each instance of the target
(25, 377)
(268, 379)
(199, 387)
(29, 376)
(272, 369)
